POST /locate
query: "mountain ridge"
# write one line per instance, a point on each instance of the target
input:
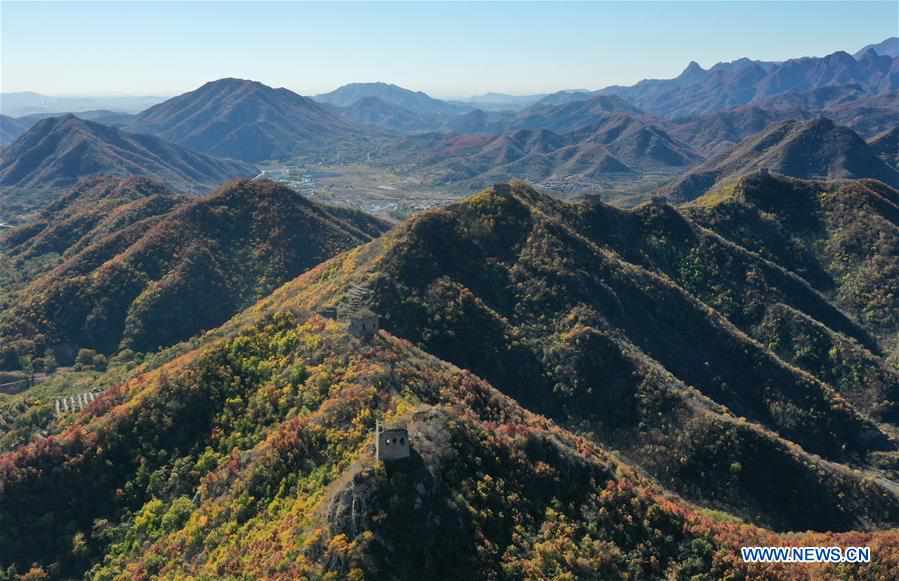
(481, 320)
(119, 282)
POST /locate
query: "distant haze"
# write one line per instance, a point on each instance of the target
(444, 49)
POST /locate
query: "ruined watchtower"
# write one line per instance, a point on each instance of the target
(355, 311)
(391, 443)
(363, 323)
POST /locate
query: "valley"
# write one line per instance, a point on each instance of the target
(372, 189)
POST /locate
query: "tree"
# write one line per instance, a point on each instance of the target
(26, 364)
(50, 363)
(85, 359)
(100, 362)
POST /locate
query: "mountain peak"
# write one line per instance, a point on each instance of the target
(243, 119)
(235, 82)
(821, 123)
(888, 47)
(693, 72)
(693, 66)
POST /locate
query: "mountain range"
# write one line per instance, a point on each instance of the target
(700, 115)
(744, 81)
(617, 148)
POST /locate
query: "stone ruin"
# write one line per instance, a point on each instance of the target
(356, 313)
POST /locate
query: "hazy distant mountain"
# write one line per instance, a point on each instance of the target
(729, 85)
(59, 151)
(244, 120)
(572, 115)
(813, 149)
(889, 47)
(567, 96)
(839, 68)
(414, 101)
(27, 103)
(500, 101)
(480, 121)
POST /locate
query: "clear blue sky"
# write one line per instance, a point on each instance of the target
(446, 49)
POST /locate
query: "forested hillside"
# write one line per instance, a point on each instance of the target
(111, 273)
(651, 333)
(252, 457)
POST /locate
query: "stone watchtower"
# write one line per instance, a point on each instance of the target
(361, 320)
(391, 443)
(363, 323)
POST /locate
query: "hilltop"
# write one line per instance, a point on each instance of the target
(57, 152)
(813, 149)
(145, 273)
(245, 120)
